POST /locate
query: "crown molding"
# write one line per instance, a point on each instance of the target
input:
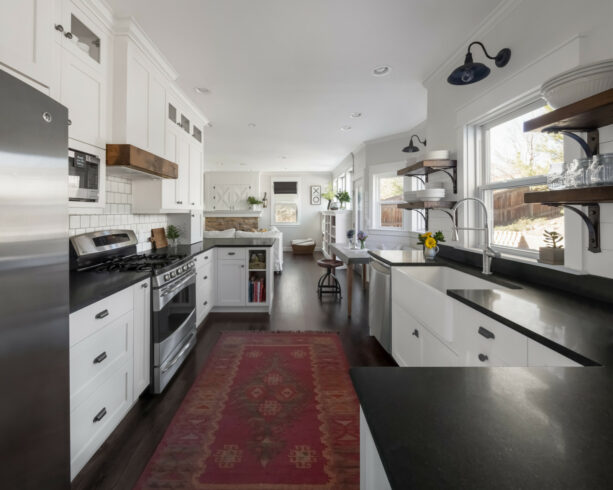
(99, 9)
(493, 19)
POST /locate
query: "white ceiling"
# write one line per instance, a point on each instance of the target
(299, 68)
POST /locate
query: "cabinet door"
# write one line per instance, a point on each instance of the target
(195, 175)
(83, 91)
(204, 291)
(169, 186)
(406, 337)
(142, 336)
(231, 280)
(157, 116)
(26, 38)
(182, 183)
(539, 355)
(434, 353)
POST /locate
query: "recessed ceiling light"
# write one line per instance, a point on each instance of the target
(202, 90)
(346, 128)
(242, 164)
(283, 157)
(251, 125)
(381, 71)
(355, 115)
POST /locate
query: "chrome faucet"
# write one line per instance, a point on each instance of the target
(488, 253)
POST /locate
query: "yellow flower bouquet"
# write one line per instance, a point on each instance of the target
(430, 243)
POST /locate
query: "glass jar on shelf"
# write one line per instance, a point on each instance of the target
(577, 174)
(557, 175)
(601, 169)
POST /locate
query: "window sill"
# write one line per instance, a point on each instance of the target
(285, 224)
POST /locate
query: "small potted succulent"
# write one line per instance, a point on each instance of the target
(430, 241)
(553, 253)
(343, 197)
(254, 203)
(173, 233)
(362, 238)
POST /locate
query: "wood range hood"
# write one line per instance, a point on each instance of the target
(138, 162)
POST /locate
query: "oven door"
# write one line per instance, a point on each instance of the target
(174, 316)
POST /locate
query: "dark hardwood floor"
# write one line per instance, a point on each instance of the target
(120, 461)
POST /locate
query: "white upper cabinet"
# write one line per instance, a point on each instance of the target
(83, 85)
(26, 38)
(195, 175)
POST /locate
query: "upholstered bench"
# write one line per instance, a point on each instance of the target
(303, 246)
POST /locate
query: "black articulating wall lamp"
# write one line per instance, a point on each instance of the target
(471, 72)
(412, 148)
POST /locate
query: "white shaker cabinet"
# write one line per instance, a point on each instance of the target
(142, 336)
(205, 284)
(195, 175)
(231, 279)
(26, 38)
(372, 472)
(539, 355)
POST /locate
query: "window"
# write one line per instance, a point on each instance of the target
(344, 183)
(514, 163)
(387, 193)
(285, 204)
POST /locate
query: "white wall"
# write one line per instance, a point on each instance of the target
(118, 215)
(546, 37)
(310, 226)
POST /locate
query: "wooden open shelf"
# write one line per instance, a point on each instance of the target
(581, 195)
(426, 167)
(426, 205)
(585, 115)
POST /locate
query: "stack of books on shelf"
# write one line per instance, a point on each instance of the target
(257, 290)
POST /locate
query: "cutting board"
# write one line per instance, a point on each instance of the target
(158, 238)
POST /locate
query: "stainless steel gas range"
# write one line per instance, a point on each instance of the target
(173, 293)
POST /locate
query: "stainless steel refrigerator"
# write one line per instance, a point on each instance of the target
(34, 369)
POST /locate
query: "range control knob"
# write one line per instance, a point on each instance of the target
(173, 274)
(184, 268)
(179, 271)
(166, 277)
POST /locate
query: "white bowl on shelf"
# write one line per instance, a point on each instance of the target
(431, 194)
(410, 196)
(437, 155)
(578, 84)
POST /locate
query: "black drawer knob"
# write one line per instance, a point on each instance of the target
(102, 314)
(206, 277)
(205, 303)
(100, 415)
(101, 357)
(483, 357)
(415, 333)
(486, 333)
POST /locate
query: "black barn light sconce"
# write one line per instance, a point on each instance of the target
(412, 148)
(471, 72)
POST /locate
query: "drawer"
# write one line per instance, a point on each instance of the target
(88, 320)
(479, 334)
(94, 358)
(231, 253)
(204, 258)
(539, 355)
(93, 421)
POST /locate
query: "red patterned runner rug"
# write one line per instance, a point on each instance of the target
(269, 411)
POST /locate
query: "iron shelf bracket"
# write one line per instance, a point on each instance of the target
(452, 175)
(590, 147)
(425, 215)
(591, 220)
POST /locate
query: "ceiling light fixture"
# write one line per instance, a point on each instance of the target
(412, 148)
(202, 90)
(251, 125)
(381, 71)
(346, 128)
(471, 72)
(355, 115)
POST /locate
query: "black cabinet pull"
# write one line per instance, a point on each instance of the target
(231, 253)
(59, 27)
(205, 303)
(486, 333)
(100, 415)
(68, 35)
(483, 357)
(98, 359)
(415, 333)
(102, 314)
(206, 277)
(206, 257)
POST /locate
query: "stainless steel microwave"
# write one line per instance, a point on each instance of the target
(83, 176)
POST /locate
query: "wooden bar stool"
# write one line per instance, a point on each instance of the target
(328, 283)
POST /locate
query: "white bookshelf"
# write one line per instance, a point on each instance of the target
(334, 227)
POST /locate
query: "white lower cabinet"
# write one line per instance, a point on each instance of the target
(539, 355)
(109, 367)
(231, 282)
(372, 472)
(205, 284)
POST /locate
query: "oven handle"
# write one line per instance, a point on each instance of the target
(167, 295)
(178, 357)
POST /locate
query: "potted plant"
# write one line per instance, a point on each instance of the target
(173, 233)
(362, 238)
(254, 203)
(430, 241)
(328, 195)
(343, 197)
(553, 253)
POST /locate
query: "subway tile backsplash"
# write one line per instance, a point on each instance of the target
(118, 214)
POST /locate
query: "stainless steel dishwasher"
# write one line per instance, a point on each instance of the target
(380, 303)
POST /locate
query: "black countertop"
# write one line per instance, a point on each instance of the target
(87, 287)
(529, 428)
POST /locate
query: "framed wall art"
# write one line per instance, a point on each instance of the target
(316, 195)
